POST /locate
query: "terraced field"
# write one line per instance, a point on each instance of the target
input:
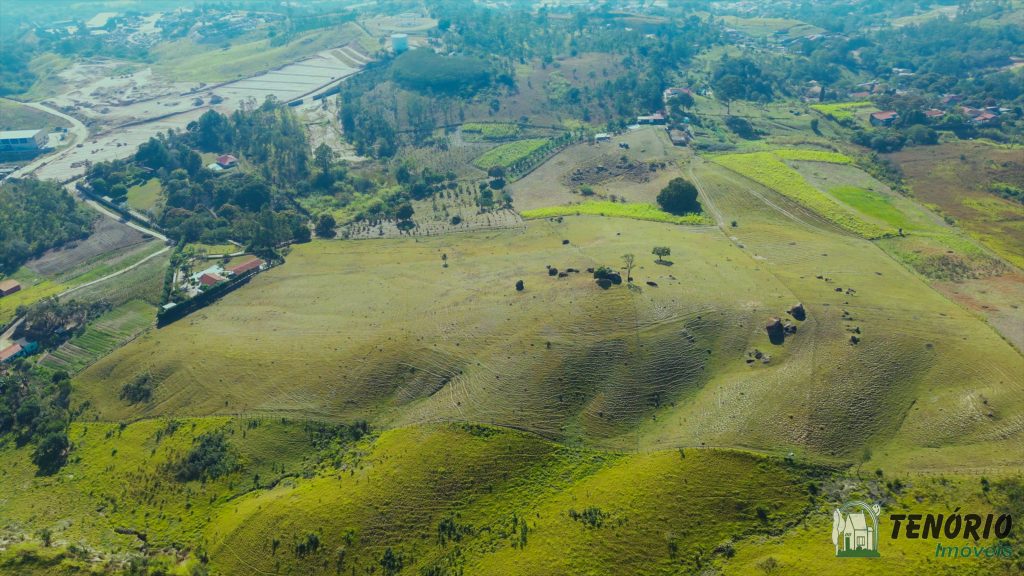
(105, 334)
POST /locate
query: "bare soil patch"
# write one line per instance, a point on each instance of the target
(107, 236)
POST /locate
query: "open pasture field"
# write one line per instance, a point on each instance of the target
(820, 265)
(185, 60)
(17, 116)
(768, 169)
(956, 178)
(384, 330)
(552, 184)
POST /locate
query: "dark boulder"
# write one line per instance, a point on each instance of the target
(776, 331)
(650, 283)
(798, 312)
(519, 286)
(604, 283)
(552, 271)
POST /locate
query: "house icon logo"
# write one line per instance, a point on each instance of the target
(855, 530)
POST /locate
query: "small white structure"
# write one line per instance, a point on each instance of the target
(602, 137)
(399, 43)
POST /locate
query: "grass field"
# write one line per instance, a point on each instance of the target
(615, 210)
(841, 111)
(15, 116)
(184, 60)
(144, 197)
(477, 130)
(955, 179)
(767, 169)
(550, 183)
(508, 154)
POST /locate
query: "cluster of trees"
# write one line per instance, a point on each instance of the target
(254, 205)
(50, 322)
(742, 79)
(15, 75)
(210, 457)
(34, 409)
(419, 91)
(426, 71)
(36, 216)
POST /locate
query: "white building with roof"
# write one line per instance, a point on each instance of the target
(22, 140)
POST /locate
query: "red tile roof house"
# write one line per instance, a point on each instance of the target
(984, 118)
(8, 287)
(10, 353)
(226, 161)
(245, 266)
(211, 279)
(934, 113)
(884, 118)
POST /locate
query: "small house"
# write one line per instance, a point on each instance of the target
(8, 287)
(226, 161)
(244, 267)
(656, 118)
(984, 118)
(884, 118)
(860, 95)
(11, 352)
(602, 137)
(22, 140)
(934, 113)
(948, 99)
(209, 279)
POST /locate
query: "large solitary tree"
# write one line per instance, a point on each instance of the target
(679, 197)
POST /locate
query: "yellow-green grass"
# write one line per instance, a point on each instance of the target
(841, 110)
(201, 248)
(490, 131)
(508, 154)
(616, 210)
(807, 547)
(793, 245)
(28, 295)
(767, 169)
(495, 482)
(16, 116)
(102, 336)
(184, 60)
(117, 477)
(812, 155)
(420, 342)
(145, 196)
(870, 203)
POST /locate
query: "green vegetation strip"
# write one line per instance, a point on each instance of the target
(508, 154)
(812, 155)
(615, 209)
(768, 169)
(840, 110)
(490, 131)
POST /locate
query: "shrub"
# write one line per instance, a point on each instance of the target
(139, 389)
